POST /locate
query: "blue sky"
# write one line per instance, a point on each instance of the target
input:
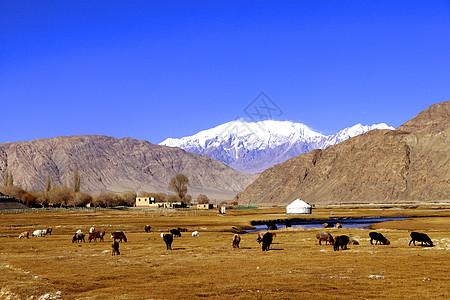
(157, 69)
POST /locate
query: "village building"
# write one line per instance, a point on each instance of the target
(205, 206)
(150, 202)
(145, 202)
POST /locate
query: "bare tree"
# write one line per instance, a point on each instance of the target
(179, 184)
(48, 184)
(202, 199)
(76, 181)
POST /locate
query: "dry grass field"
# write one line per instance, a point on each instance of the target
(296, 267)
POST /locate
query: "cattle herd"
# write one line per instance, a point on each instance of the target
(265, 238)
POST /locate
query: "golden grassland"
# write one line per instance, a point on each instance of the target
(296, 267)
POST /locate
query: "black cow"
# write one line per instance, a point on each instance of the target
(341, 241)
(267, 241)
(147, 228)
(420, 237)
(378, 237)
(168, 239)
(175, 232)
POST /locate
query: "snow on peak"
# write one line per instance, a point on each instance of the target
(239, 143)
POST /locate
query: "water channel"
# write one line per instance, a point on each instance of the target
(361, 223)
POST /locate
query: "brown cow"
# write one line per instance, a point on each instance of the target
(119, 235)
(115, 248)
(236, 240)
(94, 235)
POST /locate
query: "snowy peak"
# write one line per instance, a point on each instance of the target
(254, 146)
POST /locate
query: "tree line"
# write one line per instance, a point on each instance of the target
(54, 195)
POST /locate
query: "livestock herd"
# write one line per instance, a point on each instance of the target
(343, 240)
(266, 238)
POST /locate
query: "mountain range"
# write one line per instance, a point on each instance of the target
(409, 164)
(253, 147)
(108, 164)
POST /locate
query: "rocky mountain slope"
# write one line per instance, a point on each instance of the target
(108, 164)
(253, 147)
(409, 164)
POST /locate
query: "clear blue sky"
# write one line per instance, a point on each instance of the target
(157, 69)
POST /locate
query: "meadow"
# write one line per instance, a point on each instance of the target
(296, 267)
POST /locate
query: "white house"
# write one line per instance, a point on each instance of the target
(298, 207)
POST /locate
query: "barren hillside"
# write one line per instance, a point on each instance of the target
(109, 164)
(410, 164)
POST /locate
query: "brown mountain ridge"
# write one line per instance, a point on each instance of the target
(409, 164)
(108, 164)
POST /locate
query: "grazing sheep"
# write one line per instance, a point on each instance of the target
(378, 237)
(341, 241)
(420, 237)
(168, 239)
(267, 241)
(162, 234)
(325, 236)
(119, 235)
(39, 232)
(353, 241)
(195, 234)
(147, 228)
(115, 248)
(175, 232)
(236, 240)
(24, 234)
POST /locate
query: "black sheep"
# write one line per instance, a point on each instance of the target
(378, 237)
(341, 241)
(420, 237)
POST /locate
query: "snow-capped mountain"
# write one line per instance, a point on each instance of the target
(253, 147)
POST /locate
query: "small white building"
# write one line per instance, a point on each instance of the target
(298, 207)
